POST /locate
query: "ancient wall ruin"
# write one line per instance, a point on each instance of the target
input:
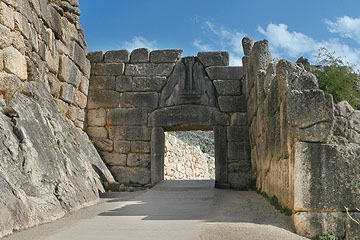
(48, 166)
(184, 161)
(135, 97)
(304, 149)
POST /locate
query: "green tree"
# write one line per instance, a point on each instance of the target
(337, 78)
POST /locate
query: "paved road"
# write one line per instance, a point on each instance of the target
(172, 210)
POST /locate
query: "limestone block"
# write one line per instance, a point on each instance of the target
(117, 56)
(105, 69)
(124, 83)
(95, 57)
(33, 71)
(149, 69)
(103, 98)
(309, 107)
(343, 109)
(72, 113)
(6, 16)
(140, 55)
(131, 133)
(68, 72)
(140, 147)
(228, 87)
(214, 58)
(102, 82)
(114, 159)
(220, 155)
(247, 44)
(238, 119)
(67, 93)
(239, 166)
(241, 181)
(122, 146)
(97, 132)
(148, 84)
(22, 24)
(84, 85)
(9, 84)
(1, 61)
(52, 60)
(353, 228)
(62, 48)
(320, 132)
(80, 99)
(238, 150)
(237, 133)
(341, 126)
(165, 56)
(81, 114)
(138, 160)
(128, 175)
(224, 73)
(312, 224)
(15, 62)
(139, 99)
(62, 107)
(79, 57)
(232, 103)
(293, 77)
(96, 117)
(260, 57)
(55, 22)
(179, 91)
(157, 154)
(186, 115)
(315, 179)
(127, 117)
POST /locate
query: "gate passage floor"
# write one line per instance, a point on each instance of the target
(171, 210)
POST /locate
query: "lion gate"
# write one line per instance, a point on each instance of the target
(134, 98)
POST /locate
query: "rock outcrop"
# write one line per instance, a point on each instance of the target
(48, 165)
(184, 161)
(304, 148)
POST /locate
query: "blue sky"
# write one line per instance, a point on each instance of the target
(293, 28)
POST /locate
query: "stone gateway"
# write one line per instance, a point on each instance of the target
(163, 92)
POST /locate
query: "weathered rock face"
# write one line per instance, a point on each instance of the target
(183, 161)
(135, 97)
(48, 166)
(304, 149)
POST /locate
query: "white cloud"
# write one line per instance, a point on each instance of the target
(139, 42)
(203, 47)
(348, 27)
(222, 38)
(235, 60)
(294, 44)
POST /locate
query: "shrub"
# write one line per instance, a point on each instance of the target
(337, 78)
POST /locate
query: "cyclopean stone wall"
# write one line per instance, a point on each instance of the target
(183, 161)
(135, 97)
(304, 149)
(41, 41)
(48, 167)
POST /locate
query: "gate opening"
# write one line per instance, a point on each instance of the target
(189, 155)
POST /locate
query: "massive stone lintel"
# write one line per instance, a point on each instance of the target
(188, 117)
(188, 84)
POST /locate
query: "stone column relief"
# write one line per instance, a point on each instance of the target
(137, 96)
